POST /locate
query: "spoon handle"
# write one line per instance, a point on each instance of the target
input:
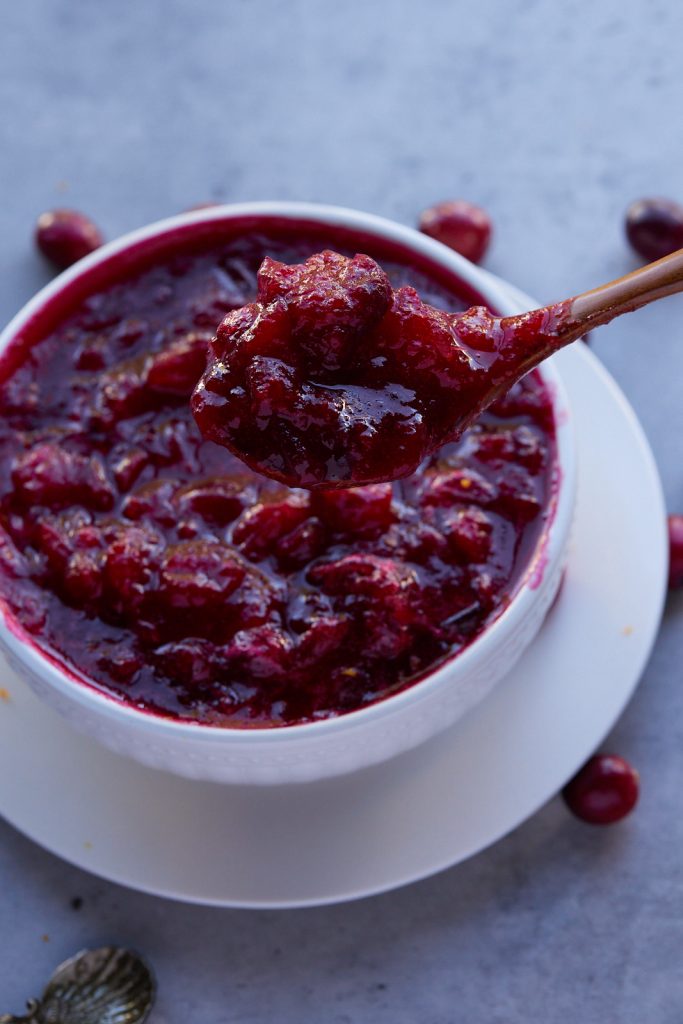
(654, 281)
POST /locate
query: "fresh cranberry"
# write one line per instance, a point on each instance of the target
(65, 236)
(459, 225)
(654, 227)
(675, 551)
(605, 790)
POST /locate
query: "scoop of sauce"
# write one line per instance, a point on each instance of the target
(332, 378)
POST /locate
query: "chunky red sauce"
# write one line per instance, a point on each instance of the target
(333, 379)
(178, 580)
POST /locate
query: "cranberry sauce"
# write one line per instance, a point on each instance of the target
(174, 578)
(333, 379)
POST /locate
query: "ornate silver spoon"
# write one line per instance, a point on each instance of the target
(96, 986)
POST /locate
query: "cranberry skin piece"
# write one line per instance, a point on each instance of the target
(331, 301)
(459, 225)
(605, 790)
(675, 552)
(66, 236)
(654, 227)
(175, 369)
(360, 511)
(51, 476)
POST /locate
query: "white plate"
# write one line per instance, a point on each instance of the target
(424, 811)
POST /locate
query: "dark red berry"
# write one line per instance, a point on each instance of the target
(654, 227)
(65, 236)
(54, 477)
(675, 552)
(360, 511)
(459, 225)
(605, 790)
(175, 369)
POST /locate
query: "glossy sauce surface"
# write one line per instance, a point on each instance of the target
(332, 378)
(175, 578)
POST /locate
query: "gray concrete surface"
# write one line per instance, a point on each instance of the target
(554, 117)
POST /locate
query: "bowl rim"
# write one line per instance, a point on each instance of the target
(549, 546)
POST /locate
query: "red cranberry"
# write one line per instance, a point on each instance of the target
(459, 225)
(363, 511)
(264, 524)
(331, 300)
(130, 569)
(302, 544)
(459, 485)
(265, 649)
(675, 552)
(605, 790)
(654, 227)
(175, 369)
(219, 500)
(324, 635)
(199, 574)
(49, 475)
(65, 236)
(469, 531)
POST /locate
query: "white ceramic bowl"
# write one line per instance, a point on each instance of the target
(309, 751)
